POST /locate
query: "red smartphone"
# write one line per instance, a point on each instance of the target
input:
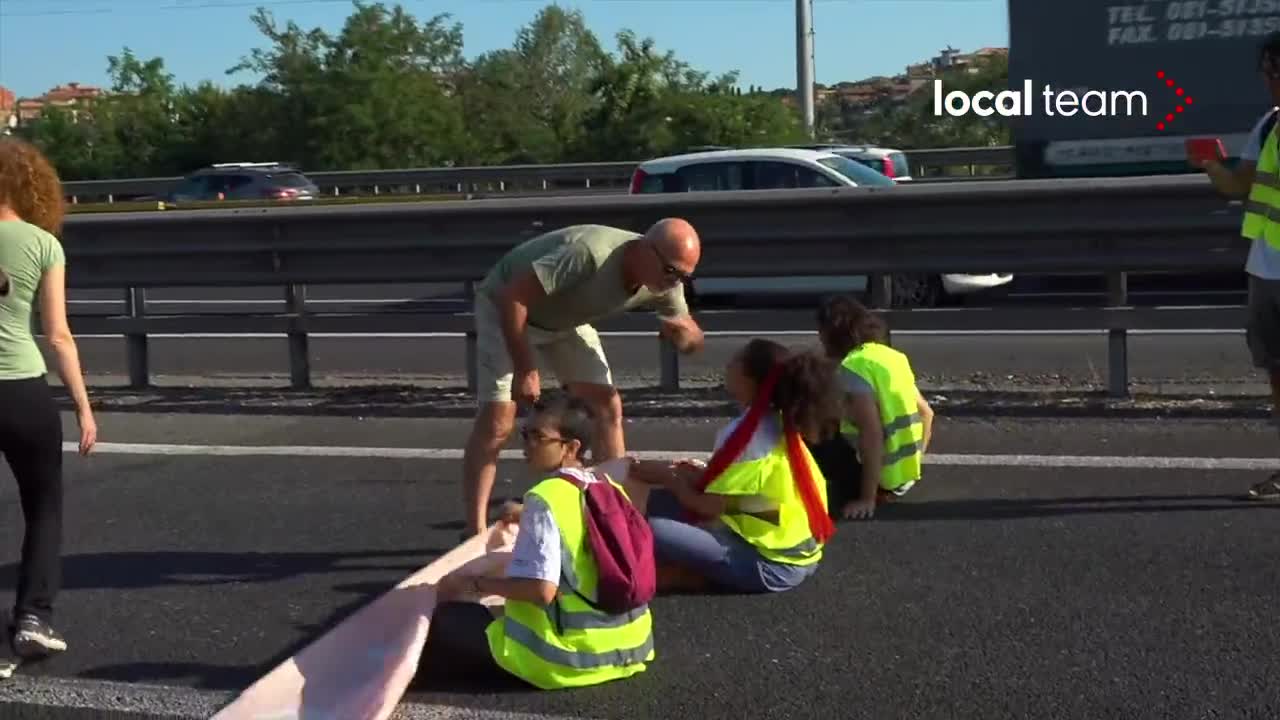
(1203, 149)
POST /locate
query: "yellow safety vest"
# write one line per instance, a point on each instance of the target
(785, 538)
(889, 373)
(569, 643)
(1262, 209)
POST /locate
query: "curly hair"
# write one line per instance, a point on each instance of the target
(844, 324)
(30, 186)
(806, 393)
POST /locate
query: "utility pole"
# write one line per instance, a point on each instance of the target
(804, 61)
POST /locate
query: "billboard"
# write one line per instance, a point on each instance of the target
(1155, 73)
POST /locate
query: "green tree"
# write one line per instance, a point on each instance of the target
(527, 104)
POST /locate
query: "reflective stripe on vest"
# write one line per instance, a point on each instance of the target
(1262, 208)
(889, 374)
(764, 469)
(569, 643)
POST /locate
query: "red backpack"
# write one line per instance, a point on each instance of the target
(621, 542)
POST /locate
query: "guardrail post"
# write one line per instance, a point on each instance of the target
(880, 295)
(473, 355)
(1117, 338)
(299, 342)
(669, 364)
(136, 350)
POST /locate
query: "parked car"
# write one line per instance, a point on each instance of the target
(782, 168)
(245, 181)
(886, 161)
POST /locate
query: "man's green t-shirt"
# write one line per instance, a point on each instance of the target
(580, 268)
(26, 252)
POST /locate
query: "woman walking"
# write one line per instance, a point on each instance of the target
(33, 270)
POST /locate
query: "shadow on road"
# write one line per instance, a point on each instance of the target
(235, 678)
(137, 570)
(1007, 508)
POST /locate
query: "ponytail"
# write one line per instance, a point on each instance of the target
(807, 396)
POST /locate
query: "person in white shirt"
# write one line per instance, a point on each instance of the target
(465, 640)
(1263, 266)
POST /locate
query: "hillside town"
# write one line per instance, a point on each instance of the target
(854, 95)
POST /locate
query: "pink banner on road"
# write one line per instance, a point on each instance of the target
(361, 668)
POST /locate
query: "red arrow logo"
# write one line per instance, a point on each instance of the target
(1185, 100)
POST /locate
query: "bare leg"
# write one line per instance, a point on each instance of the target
(493, 425)
(607, 406)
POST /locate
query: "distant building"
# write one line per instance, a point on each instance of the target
(8, 110)
(72, 96)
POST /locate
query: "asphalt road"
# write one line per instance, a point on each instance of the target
(1216, 363)
(1004, 591)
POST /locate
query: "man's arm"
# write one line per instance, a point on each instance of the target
(554, 272)
(513, 307)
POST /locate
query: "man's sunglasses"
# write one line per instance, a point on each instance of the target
(671, 270)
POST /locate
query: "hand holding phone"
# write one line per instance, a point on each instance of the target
(1202, 151)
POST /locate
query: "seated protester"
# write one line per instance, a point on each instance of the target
(548, 635)
(886, 418)
(761, 486)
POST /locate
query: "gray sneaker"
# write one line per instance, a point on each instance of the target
(1268, 489)
(33, 637)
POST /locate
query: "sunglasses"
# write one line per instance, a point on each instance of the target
(671, 270)
(529, 435)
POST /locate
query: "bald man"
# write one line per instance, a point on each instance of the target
(535, 308)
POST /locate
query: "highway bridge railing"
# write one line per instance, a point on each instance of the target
(583, 178)
(1112, 226)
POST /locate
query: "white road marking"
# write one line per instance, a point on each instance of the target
(954, 459)
(42, 697)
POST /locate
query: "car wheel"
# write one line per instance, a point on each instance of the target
(915, 291)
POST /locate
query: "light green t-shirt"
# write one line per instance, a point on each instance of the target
(580, 268)
(26, 252)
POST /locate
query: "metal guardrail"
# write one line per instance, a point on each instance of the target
(1111, 226)
(502, 178)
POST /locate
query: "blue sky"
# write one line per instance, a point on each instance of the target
(49, 42)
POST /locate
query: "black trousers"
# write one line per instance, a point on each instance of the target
(838, 461)
(31, 442)
(457, 650)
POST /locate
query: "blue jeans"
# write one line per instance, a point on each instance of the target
(719, 555)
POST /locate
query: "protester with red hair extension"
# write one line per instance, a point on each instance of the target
(755, 518)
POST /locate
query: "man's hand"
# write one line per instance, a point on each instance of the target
(525, 386)
(684, 333)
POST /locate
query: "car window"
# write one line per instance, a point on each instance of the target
(289, 180)
(705, 177)
(857, 172)
(778, 175)
(901, 168)
(659, 184)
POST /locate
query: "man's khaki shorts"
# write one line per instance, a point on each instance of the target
(574, 356)
(1262, 330)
